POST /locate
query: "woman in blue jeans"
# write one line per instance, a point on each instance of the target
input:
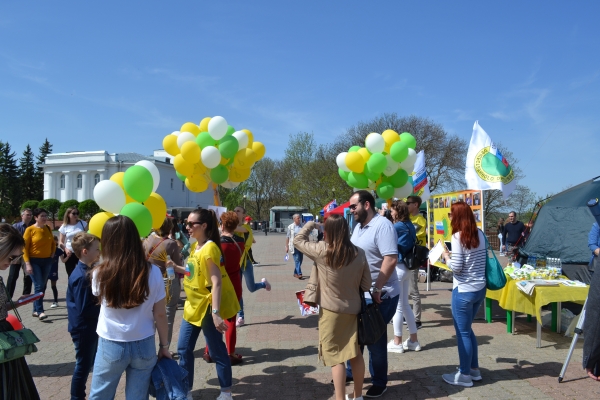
(37, 253)
(468, 265)
(131, 292)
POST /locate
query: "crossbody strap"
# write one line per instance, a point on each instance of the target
(154, 248)
(14, 308)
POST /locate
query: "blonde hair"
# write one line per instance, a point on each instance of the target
(81, 241)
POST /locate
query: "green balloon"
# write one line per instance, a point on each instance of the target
(385, 190)
(219, 174)
(399, 151)
(140, 215)
(359, 181)
(230, 130)
(343, 174)
(180, 176)
(228, 146)
(370, 174)
(138, 183)
(399, 179)
(377, 163)
(409, 140)
(353, 148)
(204, 140)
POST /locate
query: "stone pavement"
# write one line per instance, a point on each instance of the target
(280, 349)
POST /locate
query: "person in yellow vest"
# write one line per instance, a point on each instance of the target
(211, 299)
(414, 202)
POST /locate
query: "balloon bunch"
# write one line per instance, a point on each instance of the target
(212, 152)
(383, 165)
(131, 193)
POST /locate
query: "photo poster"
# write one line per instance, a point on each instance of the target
(439, 207)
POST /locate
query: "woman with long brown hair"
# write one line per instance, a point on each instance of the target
(468, 265)
(71, 226)
(342, 271)
(131, 292)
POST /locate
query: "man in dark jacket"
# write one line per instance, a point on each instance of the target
(513, 233)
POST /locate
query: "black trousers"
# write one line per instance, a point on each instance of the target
(71, 263)
(13, 277)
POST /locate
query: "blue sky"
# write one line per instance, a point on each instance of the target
(118, 76)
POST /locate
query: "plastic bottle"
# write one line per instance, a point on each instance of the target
(170, 270)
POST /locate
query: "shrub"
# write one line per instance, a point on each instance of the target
(52, 206)
(87, 209)
(30, 204)
(64, 206)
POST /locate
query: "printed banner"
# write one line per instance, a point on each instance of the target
(439, 207)
(486, 167)
(329, 206)
(420, 182)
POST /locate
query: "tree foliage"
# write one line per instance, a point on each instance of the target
(231, 198)
(52, 206)
(31, 204)
(27, 176)
(64, 206)
(44, 150)
(87, 209)
(10, 196)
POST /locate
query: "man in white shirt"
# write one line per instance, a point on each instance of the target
(292, 230)
(377, 237)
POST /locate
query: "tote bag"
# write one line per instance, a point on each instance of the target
(371, 325)
(494, 273)
(19, 343)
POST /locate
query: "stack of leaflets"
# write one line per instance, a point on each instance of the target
(566, 282)
(527, 287)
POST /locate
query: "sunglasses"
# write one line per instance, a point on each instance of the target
(74, 213)
(410, 202)
(14, 258)
(190, 224)
(353, 206)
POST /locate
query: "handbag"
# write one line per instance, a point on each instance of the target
(371, 325)
(311, 291)
(495, 279)
(415, 256)
(16, 344)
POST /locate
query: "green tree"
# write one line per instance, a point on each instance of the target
(32, 204)
(27, 176)
(231, 198)
(10, 196)
(266, 188)
(45, 149)
(64, 206)
(52, 206)
(87, 209)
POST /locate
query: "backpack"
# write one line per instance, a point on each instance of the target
(415, 256)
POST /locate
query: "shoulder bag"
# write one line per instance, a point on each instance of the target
(16, 344)
(371, 325)
(416, 255)
(495, 278)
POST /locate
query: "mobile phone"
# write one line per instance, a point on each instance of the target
(384, 295)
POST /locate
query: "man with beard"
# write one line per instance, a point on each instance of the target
(376, 235)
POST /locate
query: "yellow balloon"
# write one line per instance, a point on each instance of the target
(158, 209)
(182, 166)
(191, 128)
(259, 149)
(389, 137)
(244, 158)
(355, 162)
(364, 154)
(97, 223)
(239, 174)
(190, 151)
(199, 169)
(118, 177)
(250, 137)
(170, 145)
(204, 124)
(196, 185)
(224, 160)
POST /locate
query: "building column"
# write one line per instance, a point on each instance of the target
(48, 186)
(67, 189)
(84, 186)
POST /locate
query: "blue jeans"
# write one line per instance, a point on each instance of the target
(41, 270)
(464, 309)
(298, 257)
(137, 359)
(378, 362)
(188, 335)
(248, 274)
(86, 344)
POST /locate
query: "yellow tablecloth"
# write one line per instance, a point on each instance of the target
(511, 298)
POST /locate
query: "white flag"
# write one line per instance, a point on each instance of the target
(420, 182)
(486, 166)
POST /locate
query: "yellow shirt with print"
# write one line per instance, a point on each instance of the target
(197, 284)
(247, 245)
(421, 227)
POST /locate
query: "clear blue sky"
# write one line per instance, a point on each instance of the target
(118, 76)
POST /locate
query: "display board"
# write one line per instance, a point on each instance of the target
(439, 207)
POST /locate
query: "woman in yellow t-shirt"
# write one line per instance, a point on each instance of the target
(210, 300)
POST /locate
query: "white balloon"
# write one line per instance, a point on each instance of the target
(242, 138)
(392, 166)
(210, 156)
(374, 143)
(404, 191)
(185, 137)
(341, 161)
(109, 196)
(230, 185)
(153, 171)
(217, 127)
(372, 185)
(409, 163)
(176, 133)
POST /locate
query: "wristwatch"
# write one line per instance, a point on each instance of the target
(215, 311)
(376, 290)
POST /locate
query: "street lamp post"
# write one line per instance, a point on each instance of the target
(333, 191)
(244, 202)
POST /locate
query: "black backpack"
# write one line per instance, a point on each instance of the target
(415, 256)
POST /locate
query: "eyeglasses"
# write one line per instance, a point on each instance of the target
(42, 216)
(450, 215)
(410, 202)
(74, 213)
(190, 224)
(14, 258)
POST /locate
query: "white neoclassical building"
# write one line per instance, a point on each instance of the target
(73, 175)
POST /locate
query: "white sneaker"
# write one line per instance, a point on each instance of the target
(354, 398)
(225, 396)
(267, 284)
(395, 348)
(54, 305)
(239, 322)
(408, 345)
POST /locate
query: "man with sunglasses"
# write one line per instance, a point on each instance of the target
(17, 264)
(420, 224)
(376, 235)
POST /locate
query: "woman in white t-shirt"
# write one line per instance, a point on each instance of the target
(70, 227)
(132, 295)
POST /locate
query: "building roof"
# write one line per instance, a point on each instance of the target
(132, 157)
